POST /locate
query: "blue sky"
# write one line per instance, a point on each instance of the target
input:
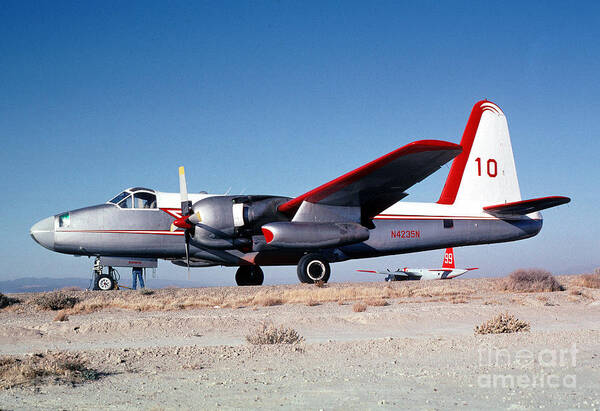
(279, 97)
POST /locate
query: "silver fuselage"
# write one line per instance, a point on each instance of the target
(108, 230)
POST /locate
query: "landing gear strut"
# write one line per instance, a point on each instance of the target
(312, 268)
(249, 275)
(102, 281)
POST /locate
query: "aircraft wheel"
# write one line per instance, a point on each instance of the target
(249, 275)
(105, 283)
(312, 267)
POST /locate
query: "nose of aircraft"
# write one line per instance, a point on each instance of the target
(43, 232)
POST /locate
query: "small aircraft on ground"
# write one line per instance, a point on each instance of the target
(357, 215)
(447, 271)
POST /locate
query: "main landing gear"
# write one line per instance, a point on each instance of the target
(313, 268)
(249, 275)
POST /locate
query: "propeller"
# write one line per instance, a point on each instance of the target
(183, 221)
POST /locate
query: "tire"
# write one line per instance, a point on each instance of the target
(249, 275)
(105, 283)
(313, 267)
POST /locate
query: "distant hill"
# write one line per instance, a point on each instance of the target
(34, 285)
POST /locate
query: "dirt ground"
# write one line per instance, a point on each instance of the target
(417, 352)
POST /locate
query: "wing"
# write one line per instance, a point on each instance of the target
(526, 206)
(382, 182)
(399, 274)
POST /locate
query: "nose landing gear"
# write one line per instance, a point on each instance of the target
(103, 281)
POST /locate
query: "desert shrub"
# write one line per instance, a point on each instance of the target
(56, 300)
(6, 301)
(42, 368)
(376, 302)
(71, 288)
(270, 334)
(530, 281)
(359, 307)
(61, 316)
(589, 280)
(267, 300)
(502, 323)
(319, 284)
(146, 291)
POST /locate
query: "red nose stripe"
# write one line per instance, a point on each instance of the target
(268, 234)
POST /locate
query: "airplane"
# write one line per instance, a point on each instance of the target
(447, 271)
(357, 215)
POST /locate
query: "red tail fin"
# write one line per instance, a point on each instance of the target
(448, 258)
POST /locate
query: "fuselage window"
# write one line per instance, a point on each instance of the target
(144, 200)
(448, 223)
(126, 202)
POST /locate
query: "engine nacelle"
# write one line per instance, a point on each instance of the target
(225, 222)
(313, 235)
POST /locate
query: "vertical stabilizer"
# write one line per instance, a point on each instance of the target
(448, 258)
(484, 173)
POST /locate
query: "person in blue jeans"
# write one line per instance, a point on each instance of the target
(137, 273)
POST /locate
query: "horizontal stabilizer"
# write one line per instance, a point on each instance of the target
(526, 206)
(398, 274)
(450, 269)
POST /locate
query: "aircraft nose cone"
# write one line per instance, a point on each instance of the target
(43, 232)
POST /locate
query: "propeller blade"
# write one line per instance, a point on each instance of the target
(186, 210)
(187, 252)
(185, 202)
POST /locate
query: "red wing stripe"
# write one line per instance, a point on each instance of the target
(367, 271)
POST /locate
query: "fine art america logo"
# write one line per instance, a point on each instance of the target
(549, 368)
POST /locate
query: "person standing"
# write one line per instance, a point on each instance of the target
(137, 273)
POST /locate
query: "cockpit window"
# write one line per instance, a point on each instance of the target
(126, 202)
(64, 220)
(144, 200)
(119, 197)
